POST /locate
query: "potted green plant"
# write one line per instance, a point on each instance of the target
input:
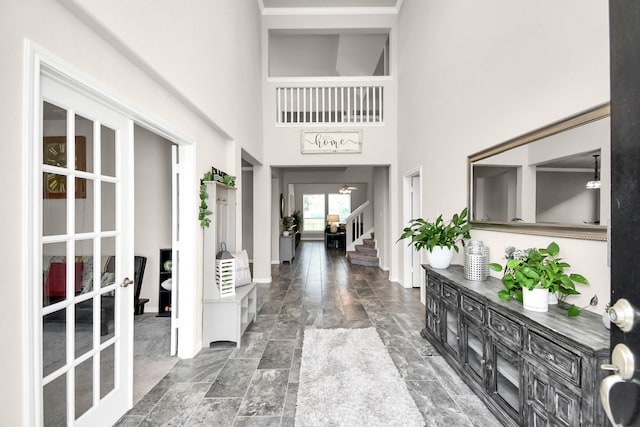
(440, 238)
(297, 218)
(530, 276)
(288, 224)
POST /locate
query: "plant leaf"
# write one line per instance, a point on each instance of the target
(573, 311)
(553, 249)
(504, 294)
(579, 278)
(495, 267)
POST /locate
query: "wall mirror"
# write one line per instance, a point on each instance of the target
(552, 181)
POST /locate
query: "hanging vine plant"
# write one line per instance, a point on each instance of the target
(204, 212)
(216, 176)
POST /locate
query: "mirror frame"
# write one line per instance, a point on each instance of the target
(586, 232)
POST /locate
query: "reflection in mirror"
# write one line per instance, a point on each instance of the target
(543, 182)
(570, 201)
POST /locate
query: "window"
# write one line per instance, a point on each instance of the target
(340, 204)
(313, 216)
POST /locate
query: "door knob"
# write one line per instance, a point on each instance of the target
(622, 315)
(622, 362)
(126, 282)
(616, 388)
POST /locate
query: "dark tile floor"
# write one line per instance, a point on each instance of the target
(256, 385)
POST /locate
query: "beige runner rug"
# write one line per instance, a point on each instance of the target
(347, 378)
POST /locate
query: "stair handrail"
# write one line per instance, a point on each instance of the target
(354, 223)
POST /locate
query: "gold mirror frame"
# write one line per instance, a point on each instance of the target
(586, 232)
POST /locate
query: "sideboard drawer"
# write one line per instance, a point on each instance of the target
(557, 358)
(450, 294)
(504, 329)
(472, 308)
(433, 285)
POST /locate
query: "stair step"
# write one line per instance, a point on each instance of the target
(369, 242)
(367, 250)
(360, 259)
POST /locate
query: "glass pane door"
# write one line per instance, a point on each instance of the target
(450, 329)
(505, 381)
(473, 350)
(84, 328)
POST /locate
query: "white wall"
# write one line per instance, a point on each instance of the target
(384, 239)
(193, 46)
(210, 82)
(247, 211)
(282, 144)
(474, 74)
(152, 207)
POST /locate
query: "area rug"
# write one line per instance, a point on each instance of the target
(347, 378)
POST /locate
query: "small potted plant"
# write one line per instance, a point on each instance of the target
(440, 238)
(288, 224)
(531, 275)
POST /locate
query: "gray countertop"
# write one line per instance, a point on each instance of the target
(586, 329)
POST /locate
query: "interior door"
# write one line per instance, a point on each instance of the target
(620, 392)
(85, 316)
(416, 263)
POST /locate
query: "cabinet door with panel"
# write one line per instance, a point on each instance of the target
(546, 396)
(433, 316)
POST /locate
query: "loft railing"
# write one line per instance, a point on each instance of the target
(361, 105)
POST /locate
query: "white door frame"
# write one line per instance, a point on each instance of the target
(36, 61)
(407, 215)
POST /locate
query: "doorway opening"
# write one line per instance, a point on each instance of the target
(412, 208)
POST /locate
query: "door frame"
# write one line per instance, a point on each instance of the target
(407, 215)
(37, 61)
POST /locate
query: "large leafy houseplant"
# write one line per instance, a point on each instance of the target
(427, 234)
(540, 268)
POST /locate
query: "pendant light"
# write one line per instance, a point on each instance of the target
(595, 183)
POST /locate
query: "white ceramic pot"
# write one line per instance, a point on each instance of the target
(535, 300)
(440, 257)
(553, 298)
(285, 233)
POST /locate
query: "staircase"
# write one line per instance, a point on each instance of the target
(365, 254)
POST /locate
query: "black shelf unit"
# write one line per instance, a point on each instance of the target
(164, 295)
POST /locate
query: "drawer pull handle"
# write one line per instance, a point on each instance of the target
(447, 294)
(502, 328)
(550, 357)
(470, 308)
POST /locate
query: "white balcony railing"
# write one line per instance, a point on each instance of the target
(361, 105)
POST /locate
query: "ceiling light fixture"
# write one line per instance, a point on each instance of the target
(594, 184)
(346, 189)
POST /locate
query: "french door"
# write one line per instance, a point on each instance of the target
(84, 310)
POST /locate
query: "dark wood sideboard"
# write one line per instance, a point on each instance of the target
(531, 369)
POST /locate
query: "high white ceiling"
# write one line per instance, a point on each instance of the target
(329, 3)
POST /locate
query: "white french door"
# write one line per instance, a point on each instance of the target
(84, 306)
